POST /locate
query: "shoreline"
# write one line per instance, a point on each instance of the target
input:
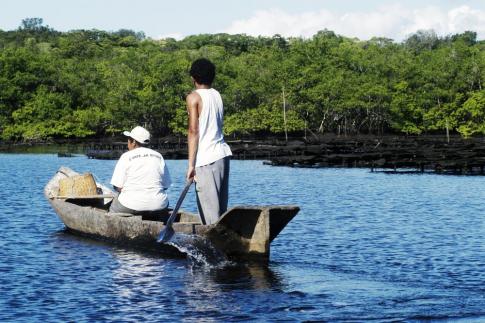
(391, 152)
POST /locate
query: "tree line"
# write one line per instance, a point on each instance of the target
(93, 83)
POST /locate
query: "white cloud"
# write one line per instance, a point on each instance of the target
(465, 18)
(392, 21)
(176, 36)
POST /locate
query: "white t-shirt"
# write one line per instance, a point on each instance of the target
(143, 177)
(212, 146)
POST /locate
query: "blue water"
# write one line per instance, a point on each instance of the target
(365, 246)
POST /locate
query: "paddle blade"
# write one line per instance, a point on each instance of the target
(166, 234)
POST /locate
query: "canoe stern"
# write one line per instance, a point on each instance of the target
(247, 231)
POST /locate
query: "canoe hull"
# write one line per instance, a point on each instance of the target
(243, 232)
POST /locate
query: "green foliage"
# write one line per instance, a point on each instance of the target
(32, 23)
(86, 83)
(472, 115)
(179, 122)
(263, 119)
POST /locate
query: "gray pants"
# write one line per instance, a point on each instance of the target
(212, 189)
(155, 215)
(117, 207)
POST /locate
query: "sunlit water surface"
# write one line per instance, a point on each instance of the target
(364, 246)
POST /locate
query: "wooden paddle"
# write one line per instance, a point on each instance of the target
(167, 233)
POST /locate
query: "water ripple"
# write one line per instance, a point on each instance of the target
(364, 246)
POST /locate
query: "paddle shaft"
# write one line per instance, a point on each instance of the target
(179, 203)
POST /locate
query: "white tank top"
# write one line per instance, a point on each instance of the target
(211, 140)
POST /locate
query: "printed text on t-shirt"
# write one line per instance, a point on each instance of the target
(144, 155)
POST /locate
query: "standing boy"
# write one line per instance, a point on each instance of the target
(208, 152)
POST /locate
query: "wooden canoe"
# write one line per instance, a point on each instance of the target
(243, 232)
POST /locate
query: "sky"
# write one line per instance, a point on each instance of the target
(362, 19)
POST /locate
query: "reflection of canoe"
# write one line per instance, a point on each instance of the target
(241, 232)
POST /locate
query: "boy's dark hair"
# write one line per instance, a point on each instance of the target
(203, 71)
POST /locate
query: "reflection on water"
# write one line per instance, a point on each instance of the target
(173, 286)
(252, 276)
(135, 274)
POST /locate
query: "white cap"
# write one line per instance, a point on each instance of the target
(140, 134)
